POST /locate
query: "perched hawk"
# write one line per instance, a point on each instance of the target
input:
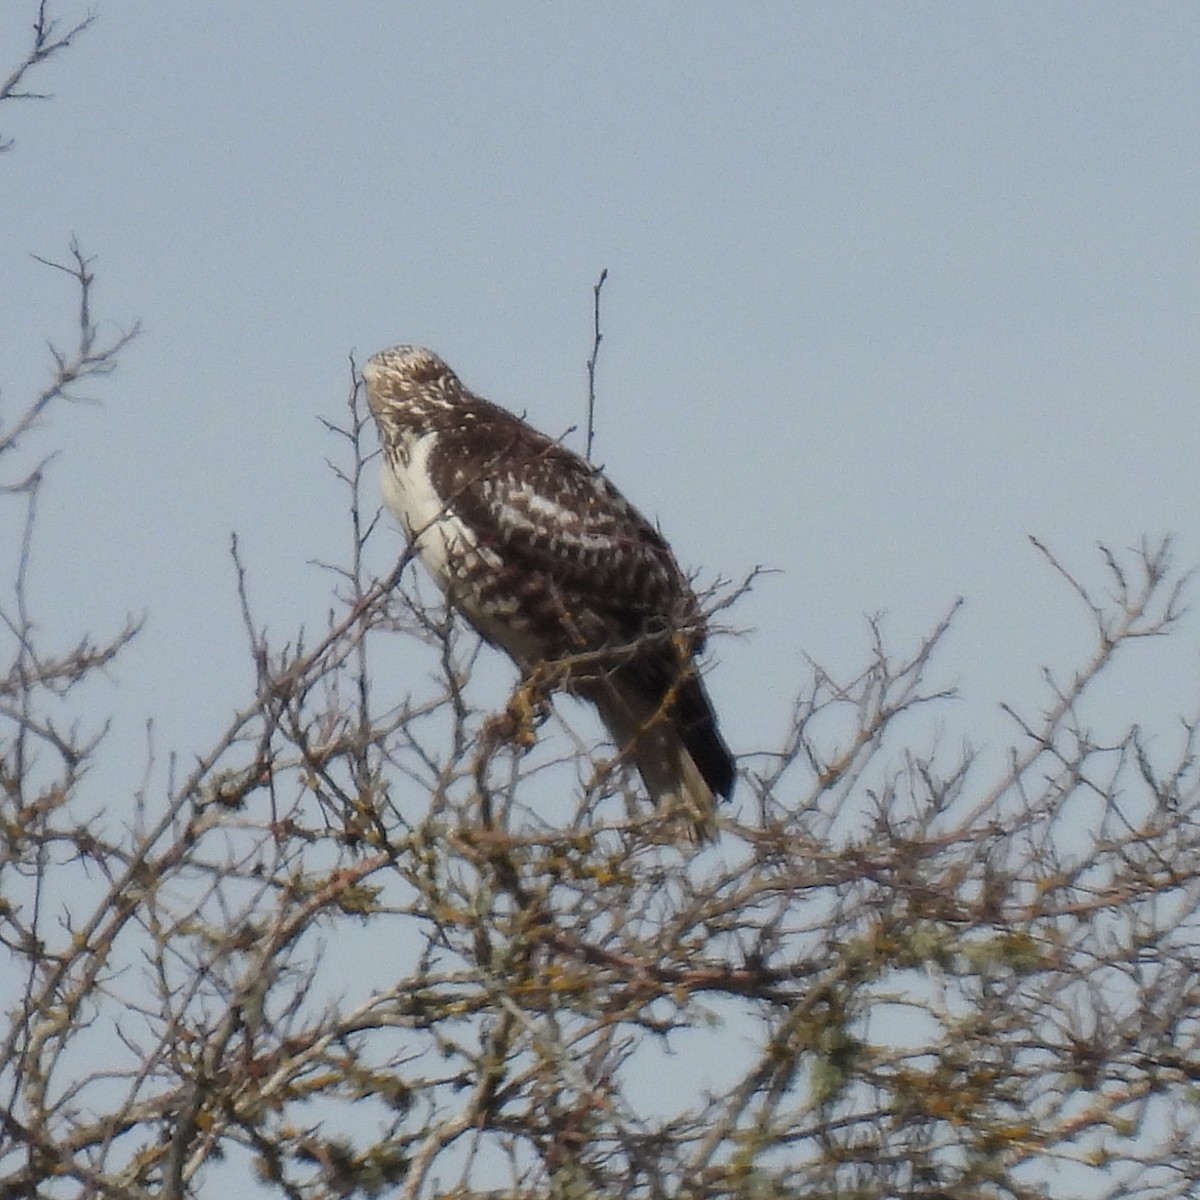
(548, 561)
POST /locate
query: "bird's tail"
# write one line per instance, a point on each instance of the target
(674, 743)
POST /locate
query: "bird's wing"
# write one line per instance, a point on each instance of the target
(547, 511)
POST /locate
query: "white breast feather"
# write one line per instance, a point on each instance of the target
(441, 540)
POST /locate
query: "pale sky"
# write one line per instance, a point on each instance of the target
(891, 287)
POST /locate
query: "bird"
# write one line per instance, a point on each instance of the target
(547, 560)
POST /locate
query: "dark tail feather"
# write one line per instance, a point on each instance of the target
(693, 716)
(674, 742)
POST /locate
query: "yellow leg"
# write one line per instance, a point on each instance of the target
(528, 706)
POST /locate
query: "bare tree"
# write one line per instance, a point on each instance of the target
(899, 974)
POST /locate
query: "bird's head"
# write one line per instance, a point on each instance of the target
(404, 377)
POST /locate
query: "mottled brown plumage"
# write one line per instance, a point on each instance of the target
(551, 563)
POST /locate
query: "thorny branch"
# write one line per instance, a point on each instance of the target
(526, 970)
(536, 941)
(534, 960)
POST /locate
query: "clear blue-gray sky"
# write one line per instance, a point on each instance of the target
(891, 287)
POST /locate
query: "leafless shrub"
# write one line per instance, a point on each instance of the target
(950, 992)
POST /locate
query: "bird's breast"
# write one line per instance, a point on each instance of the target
(443, 542)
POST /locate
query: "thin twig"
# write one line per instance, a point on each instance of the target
(597, 338)
(46, 43)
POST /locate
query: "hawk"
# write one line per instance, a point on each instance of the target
(549, 562)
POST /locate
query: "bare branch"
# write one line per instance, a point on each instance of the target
(90, 357)
(597, 338)
(48, 40)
